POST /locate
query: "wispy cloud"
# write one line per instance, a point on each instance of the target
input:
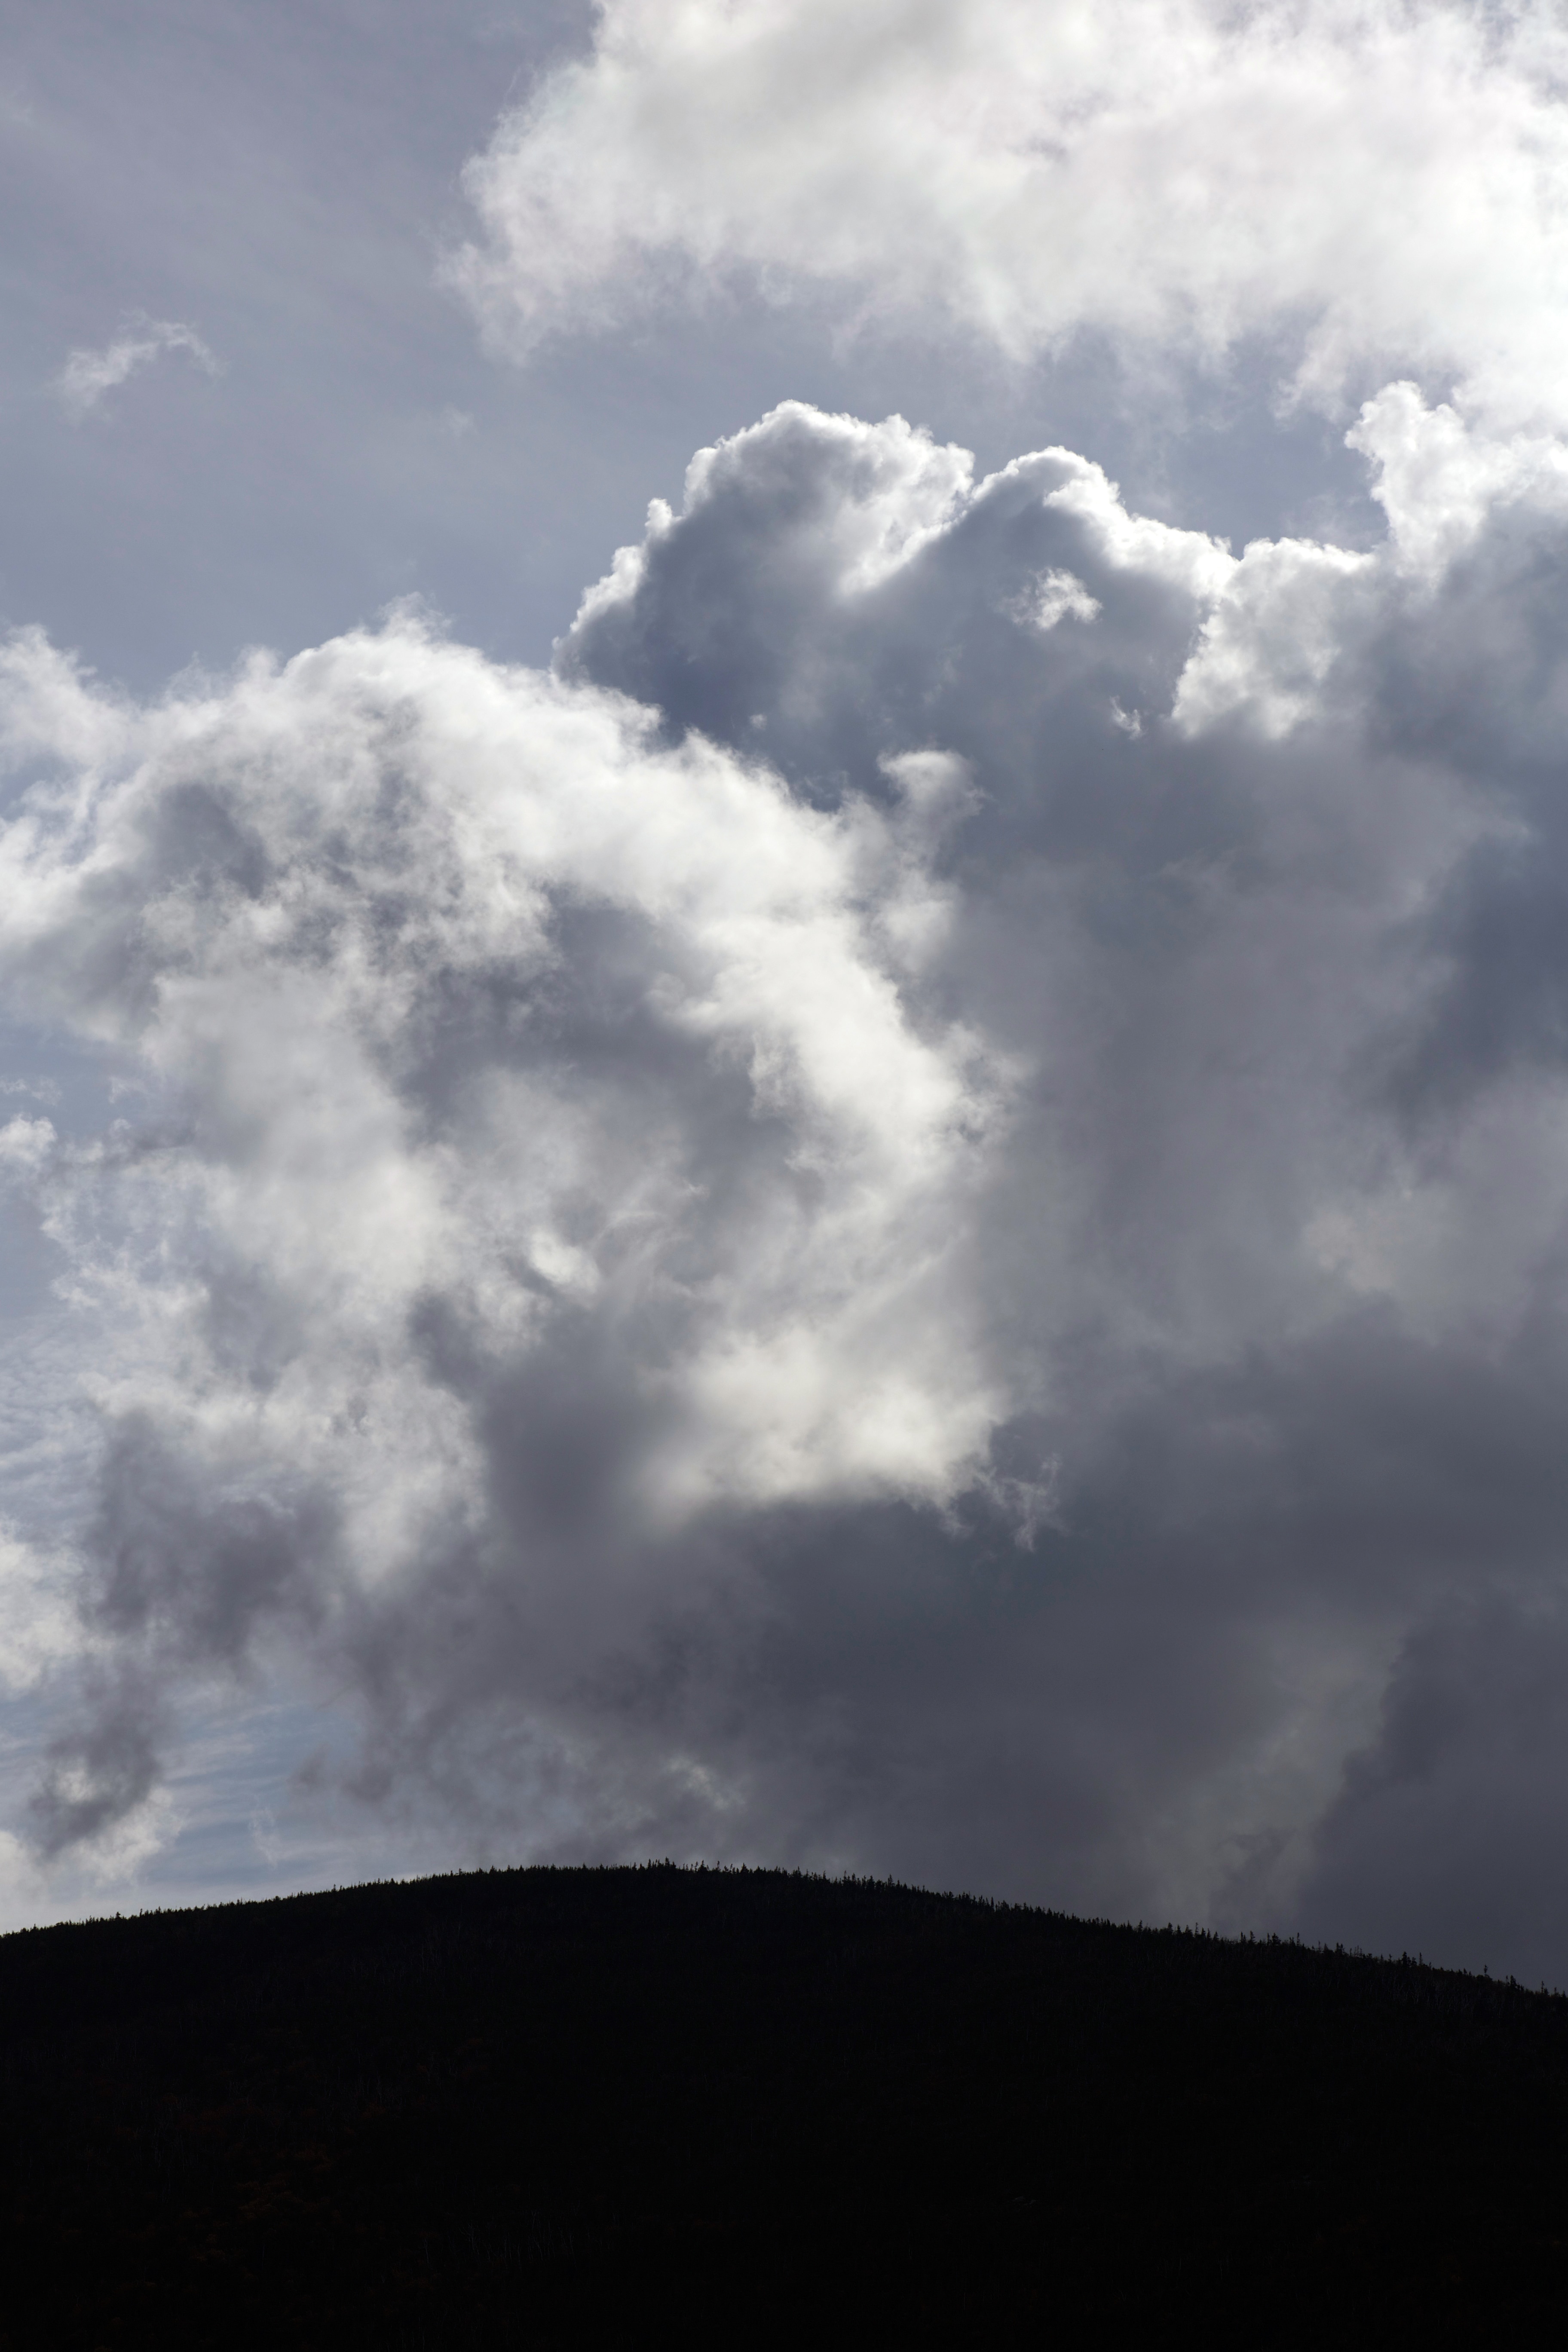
(88, 376)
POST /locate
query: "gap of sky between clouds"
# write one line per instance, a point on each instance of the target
(908, 1214)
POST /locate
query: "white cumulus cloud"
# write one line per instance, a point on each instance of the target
(1379, 186)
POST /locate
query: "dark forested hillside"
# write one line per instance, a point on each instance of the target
(546, 2108)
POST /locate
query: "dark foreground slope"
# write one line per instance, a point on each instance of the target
(630, 2108)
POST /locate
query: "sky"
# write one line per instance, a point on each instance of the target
(784, 952)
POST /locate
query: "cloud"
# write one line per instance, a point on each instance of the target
(87, 376)
(797, 1239)
(554, 1149)
(1447, 1813)
(1372, 187)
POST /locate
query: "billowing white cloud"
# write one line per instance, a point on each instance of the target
(500, 1047)
(478, 995)
(1378, 188)
(87, 376)
(911, 1215)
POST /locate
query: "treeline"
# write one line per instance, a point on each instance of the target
(558, 2108)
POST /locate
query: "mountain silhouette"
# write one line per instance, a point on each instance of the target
(551, 2108)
